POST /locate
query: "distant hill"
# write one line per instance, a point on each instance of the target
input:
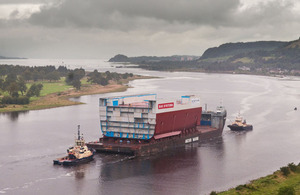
(119, 58)
(293, 45)
(3, 57)
(275, 56)
(139, 59)
(261, 57)
(231, 49)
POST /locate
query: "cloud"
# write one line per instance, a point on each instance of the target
(101, 28)
(18, 11)
(120, 14)
(274, 13)
(5, 2)
(167, 15)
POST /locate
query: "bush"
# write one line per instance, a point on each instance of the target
(6, 100)
(23, 100)
(34, 90)
(285, 171)
(292, 167)
(125, 76)
(15, 94)
(213, 193)
(15, 100)
(298, 168)
(286, 190)
(240, 187)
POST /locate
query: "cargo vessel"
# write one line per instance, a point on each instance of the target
(143, 124)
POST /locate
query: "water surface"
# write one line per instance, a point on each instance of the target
(30, 140)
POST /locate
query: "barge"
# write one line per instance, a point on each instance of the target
(142, 125)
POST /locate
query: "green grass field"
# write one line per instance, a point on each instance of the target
(51, 87)
(61, 92)
(56, 87)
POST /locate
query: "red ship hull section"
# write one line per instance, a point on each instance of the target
(177, 120)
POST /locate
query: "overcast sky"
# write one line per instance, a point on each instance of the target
(103, 28)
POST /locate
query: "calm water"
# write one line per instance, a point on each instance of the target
(29, 141)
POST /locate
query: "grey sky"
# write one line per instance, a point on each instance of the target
(101, 28)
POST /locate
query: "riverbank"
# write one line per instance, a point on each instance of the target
(59, 94)
(285, 181)
(238, 72)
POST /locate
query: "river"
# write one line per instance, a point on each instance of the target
(29, 141)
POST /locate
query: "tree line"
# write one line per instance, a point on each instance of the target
(264, 60)
(100, 78)
(35, 73)
(14, 84)
(103, 78)
(13, 80)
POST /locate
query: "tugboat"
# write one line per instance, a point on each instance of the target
(239, 124)
(77, 154)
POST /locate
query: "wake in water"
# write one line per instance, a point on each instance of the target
(31, 183)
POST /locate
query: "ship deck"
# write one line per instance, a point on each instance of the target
(142, 147)
(205, 129)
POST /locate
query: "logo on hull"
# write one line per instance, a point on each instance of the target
(166, 105)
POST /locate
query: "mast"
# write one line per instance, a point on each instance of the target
(78, 132)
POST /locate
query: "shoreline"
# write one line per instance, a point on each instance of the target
(60, 99)
(238, 72)
(228, 72)
(286, 178)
